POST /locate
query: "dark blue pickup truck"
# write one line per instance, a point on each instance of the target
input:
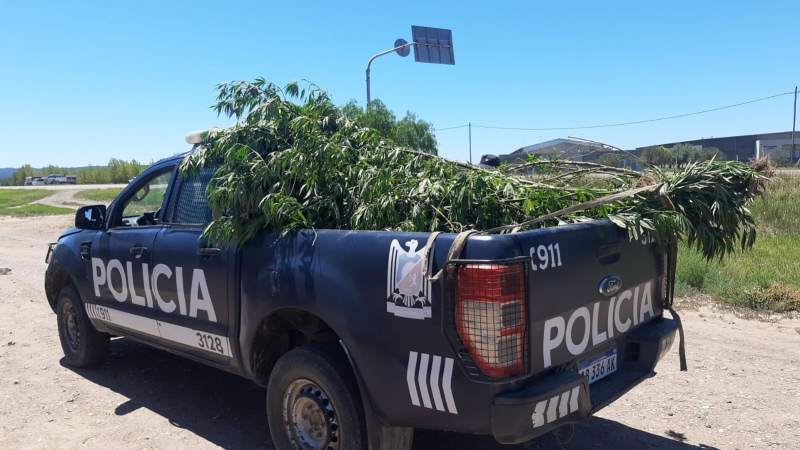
(355, 344)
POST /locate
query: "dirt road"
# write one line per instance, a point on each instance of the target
(64, 195)
(742, 389)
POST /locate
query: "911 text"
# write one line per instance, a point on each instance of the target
(547, 257)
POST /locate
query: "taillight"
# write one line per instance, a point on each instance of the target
(491, 316)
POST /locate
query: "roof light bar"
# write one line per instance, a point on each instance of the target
(196, 137)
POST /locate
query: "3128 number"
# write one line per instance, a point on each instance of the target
(209, 342)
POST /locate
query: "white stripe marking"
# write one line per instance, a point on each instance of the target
(538, 414)
(562, 406)
(448, 392)
(412, 369)
(127, 320)
(573, 400)
(213, 343)
(551, 409)
(168, 331)
(437, 396)
(423, 384)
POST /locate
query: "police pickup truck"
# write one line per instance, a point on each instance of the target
(355, 344)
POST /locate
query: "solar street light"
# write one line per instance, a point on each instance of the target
(431, 45)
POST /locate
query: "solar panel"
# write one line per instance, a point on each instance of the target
(434, 45)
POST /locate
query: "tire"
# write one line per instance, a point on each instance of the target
(313, 401)
(82, 344)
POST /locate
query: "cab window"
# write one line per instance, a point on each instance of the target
(144, 206)
(190, 199)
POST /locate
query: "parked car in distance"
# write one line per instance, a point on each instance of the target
(37, 181)
(28, 181)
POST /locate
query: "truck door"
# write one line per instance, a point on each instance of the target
(121, 259)
(192, 276)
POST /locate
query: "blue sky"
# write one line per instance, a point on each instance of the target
(82, 82)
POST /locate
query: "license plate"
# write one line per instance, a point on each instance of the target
(600, 366)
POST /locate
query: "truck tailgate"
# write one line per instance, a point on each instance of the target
(588, 285)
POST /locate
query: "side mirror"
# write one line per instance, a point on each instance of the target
(90, 217)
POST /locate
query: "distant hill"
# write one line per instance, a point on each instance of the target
(6, 172)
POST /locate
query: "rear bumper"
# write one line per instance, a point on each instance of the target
(566, 397)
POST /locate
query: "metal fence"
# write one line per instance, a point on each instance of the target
(788, 172)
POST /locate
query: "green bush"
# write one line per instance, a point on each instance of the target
(775, 298)
(692, 269)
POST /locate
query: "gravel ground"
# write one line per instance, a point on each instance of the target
(742, 389)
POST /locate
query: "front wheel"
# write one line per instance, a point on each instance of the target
(83, 345)
(313, 401)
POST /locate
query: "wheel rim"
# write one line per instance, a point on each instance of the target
(71, 332)
(310, 417)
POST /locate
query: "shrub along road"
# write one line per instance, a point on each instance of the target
(742, 389)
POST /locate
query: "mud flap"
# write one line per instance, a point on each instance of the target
(379, 436)
(672, 263)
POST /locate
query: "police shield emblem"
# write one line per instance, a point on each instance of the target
(407, 289)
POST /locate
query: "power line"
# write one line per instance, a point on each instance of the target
(623, 123)
(452, 128)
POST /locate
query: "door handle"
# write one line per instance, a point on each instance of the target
(208, 251)
(138, 250)
(608, 254)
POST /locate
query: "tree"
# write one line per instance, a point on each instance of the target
(657, 155)
(685, 153)
(18, 178)
(117, 171)
(710, 153)
(410, 131)
(415, 133)
(609, 159)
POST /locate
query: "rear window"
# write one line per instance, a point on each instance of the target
(190, 199)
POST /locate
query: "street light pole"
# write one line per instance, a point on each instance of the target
(794, 122)
(381, 54)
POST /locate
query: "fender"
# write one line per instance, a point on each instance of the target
(66, 258)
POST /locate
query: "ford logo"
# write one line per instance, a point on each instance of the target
(610, 285)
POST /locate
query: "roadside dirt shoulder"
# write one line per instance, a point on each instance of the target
(66, 199)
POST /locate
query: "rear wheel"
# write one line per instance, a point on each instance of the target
(313, 402)
(82, 344)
